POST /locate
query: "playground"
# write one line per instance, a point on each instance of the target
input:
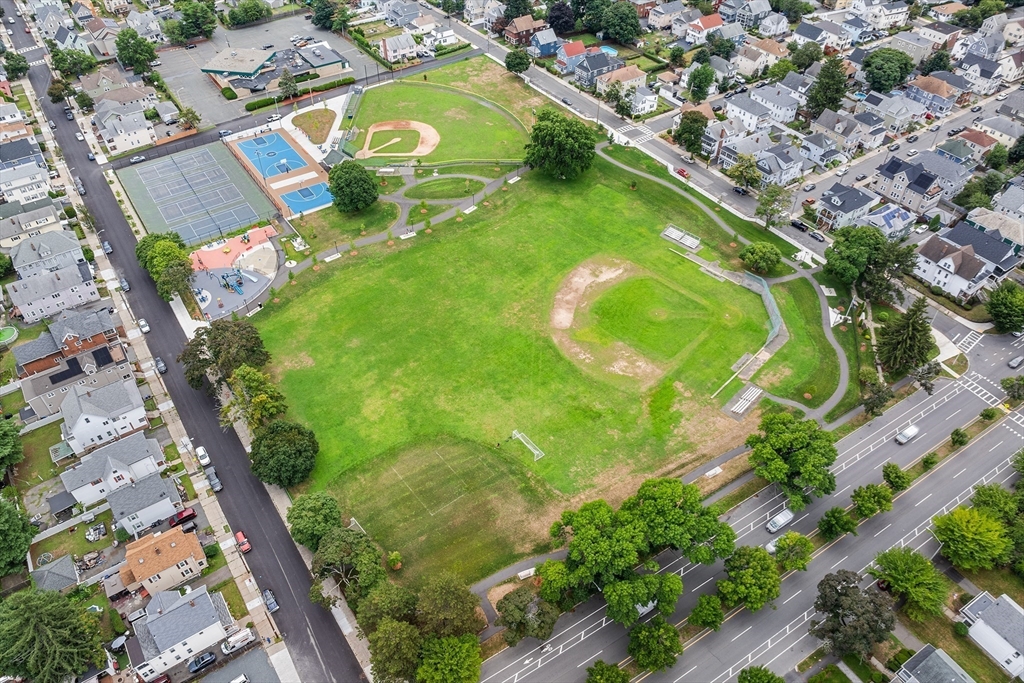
(231, 273)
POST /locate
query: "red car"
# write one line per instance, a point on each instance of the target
(185, 515)
(683, 172)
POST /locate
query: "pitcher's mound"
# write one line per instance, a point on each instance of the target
(381, 147)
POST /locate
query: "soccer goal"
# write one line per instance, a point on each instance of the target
(537, 453)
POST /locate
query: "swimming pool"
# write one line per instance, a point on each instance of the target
(271, 155)
(308, 198)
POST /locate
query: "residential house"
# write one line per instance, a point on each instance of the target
(176, 628)
(421, 25)
(908, 184)
(1013, 32)
(984, 75)
(779, 165)
(50, 19)
(951, 174)
(963, 260)
(841, 206)
(661, 16)
(855, 27)
(81, 13)
(118, 464)
(644, 101)
(719, 134)
(931, 665)
(942, 35)
(960, 85)
(947, 11)
(988, 47)
(117, 6)
(627, 77)
(897, 111)
(69, 40)
(103, 36)
(1004, 130)
(400, 13)
(397, 48)
(593, 65)
(893, 220)
(29, 223)
(796, 85)
(998, 225)
(25, 182)
(752, 115)
(957, 151)
(681, 23)
(47, 252)
(1011, 66)
(752, 13)
(820, 149)
(781, 105)
(698, 31)
(996, 625)
(1012, 107)
(980, 143)
(93, 418)
(936, 95)
(520, 30)
(72, 333)
(643, 7)
(733, 32)
(750, 61)
(147, 25)
(773, 25)
(104, 79)
(544, 43)
(888, 15)
(724, 71)
(51, 292)
(914, 44)
(162, 561)
(568, 55)
(60, 575)
(1010, 203)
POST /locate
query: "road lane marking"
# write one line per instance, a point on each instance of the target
(840, 562)
(886, 527)
(589, 658)
(922, 500)
(959, 473)
(792, 596)
(742, 632)
(695, 589)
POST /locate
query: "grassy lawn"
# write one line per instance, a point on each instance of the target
(232, 596)
(998, 581)
(938, 630)
(395, 141)
(457, 350)
(806, 364)
(37, 466)
(317, 124)
(66, 543)
(496, 135)
(323, 228)
(445, 188)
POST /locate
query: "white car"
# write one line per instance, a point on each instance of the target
(203, 456)
(144, 326)
(79, 136)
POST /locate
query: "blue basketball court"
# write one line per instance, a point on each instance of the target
(271, 155)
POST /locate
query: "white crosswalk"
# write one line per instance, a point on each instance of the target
(968, 342)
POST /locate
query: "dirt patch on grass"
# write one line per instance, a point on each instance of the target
(317, 124)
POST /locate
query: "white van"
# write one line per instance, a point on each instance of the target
(780, 520)
(907, 434)
(237, 641)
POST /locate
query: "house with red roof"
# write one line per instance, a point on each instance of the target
(697, 32)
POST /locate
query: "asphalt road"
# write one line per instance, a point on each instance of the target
(315, 642)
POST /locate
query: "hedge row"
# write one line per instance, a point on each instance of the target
(228, 93)
(322, 87)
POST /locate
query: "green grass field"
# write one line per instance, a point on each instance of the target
(407, 140)
(448, 341)
(495, 133)
(445, 188)
(807, 363)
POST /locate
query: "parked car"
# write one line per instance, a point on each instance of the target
(186, 515)
(975, 109)
(242, 542)
(270, 600)
(107, 249)
(912, 138)
(682, 172)
(161, 366)
(211, 476)
(817, 236)
(137, 159)
(809, 186)
(202, 456)
(201, 662)
(124, 285)
(144, 326)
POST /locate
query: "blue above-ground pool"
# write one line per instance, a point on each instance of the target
(308, 198)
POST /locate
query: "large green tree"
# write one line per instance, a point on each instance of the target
(561, 146)
(524, 615)
(254, 399)
(690, 130)
(911, 575)
(47, 638)
(752, 579)
(284, 453)
(135, 51)
(621, 23)
(223, 347)
(450, 660)
(654, 644)
(886, 68)
(447, 608)
(311, 516)
(829, 89)
(972, 539)
(796, 455)
(394, 652)
(855, 620)
(905, 341)
(353, 186)
(1006, 306)
(16, 533)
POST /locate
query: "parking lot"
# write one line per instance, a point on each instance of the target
(180, 68)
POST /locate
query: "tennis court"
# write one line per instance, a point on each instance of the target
(271, 155)
(200, 194)
(308, 198)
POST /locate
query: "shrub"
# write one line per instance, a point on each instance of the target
(960, 628)
(989, 414)
(228, 93)
(930, 460)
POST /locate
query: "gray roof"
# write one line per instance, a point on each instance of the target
(112, 400)
(118, 455)
(843, 199)
(147, 491)
(930, 665)
(43, 246)
(57, 575)
(24, 292)
(1002, 615)
(172, 617)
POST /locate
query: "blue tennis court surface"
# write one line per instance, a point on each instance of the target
(308, 198)
(271, 155)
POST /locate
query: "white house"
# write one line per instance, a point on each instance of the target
(107, 469)
(176, 628)
(997, 626)
(95, 417)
